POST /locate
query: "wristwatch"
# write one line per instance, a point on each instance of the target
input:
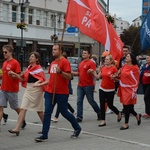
(60, 72)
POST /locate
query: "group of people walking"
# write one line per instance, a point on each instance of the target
(56, 89)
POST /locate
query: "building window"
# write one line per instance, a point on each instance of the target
(30, 15)
(121, 28)
(14, 14)
(45, 18)
(38, 14)
(145, 11)
(5, 12)
(145, 3)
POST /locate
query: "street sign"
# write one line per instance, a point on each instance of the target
(72, 30)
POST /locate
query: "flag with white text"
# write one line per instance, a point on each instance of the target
(145, 33)
(88, 16)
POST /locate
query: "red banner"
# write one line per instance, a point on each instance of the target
(88, 16)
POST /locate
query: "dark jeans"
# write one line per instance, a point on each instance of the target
(58, 112)
(146, 89)
(89, 92)
(109, 98)
(62, 102)
(127, 110)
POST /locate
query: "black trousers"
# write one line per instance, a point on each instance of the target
(127, 110)
(109, 98)
(146, 89)
(69, 107)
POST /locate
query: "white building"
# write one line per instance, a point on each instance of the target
(137, 21)
(120, 24)
(44, 18)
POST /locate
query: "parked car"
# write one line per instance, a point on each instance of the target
(74, 63)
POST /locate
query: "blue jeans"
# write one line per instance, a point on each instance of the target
(89, 92)
(62, 102)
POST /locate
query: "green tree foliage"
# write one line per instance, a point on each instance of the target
(131, 37)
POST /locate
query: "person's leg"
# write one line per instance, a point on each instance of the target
(41, 115)
(57, 112)
(127, 114)
(110, 101)
(102, 98)
(47, 114)
(71, 108)
(147, 98)
(80, 98)
(21, 118)
(89, 91)
(5, 117)
(3, 103)
(1, 113)
(62, 101)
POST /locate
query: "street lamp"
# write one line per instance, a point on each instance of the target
(22, 4)
(107, 6)
(21, 26)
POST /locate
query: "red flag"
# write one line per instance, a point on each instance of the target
(88, 16)
(115, 44)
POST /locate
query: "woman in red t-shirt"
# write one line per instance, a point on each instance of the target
(107, 88)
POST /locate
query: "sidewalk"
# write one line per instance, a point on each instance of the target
(92, 137)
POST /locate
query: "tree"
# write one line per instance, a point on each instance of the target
(131, 37)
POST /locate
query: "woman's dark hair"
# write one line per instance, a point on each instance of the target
(133, 59)
(37, 55)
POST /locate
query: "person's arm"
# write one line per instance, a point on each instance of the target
(15, 75)
(93, 72)
(66, 75)
(40, 83)
(75, 73)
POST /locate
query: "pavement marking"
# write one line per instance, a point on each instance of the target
(89, 133)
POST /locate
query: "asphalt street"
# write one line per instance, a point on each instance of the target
(92, 137)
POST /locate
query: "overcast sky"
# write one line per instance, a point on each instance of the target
(128, 10)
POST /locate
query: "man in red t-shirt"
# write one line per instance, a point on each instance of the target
(86, 85)
(10, 84)
(57, 91)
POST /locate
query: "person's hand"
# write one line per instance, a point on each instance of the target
(12, 74)
(147, 74)
(90, 71)
(58, 70)
(37, 84)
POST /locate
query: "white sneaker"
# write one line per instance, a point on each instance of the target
(54, 119)
(109, 111)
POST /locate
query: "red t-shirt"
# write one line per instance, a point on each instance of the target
(107, 83)
(10, 84)
(86, 79)
(61, 82)
(145, 79)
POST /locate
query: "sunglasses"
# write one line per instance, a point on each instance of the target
(4, 52)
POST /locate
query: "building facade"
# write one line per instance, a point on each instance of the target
(44, 20)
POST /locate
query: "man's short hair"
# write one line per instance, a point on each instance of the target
(59, 45)
(126, 46)
(8, 47)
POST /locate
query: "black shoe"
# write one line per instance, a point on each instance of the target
(79, 119)
(5, 117)
(120, 117)
(40, 139)
(14, 132)
(76, 133)
(139, 121)
(99, 116)
(23, 124)
(102, 125)
(124, 128)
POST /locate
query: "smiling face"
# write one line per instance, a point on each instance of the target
(128, 59)
(7, 54)
(33, 59)
(85, 55)
(108, 60)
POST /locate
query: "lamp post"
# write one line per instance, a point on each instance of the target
(22, 4)
(108, 6)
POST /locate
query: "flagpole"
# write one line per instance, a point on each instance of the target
(58, 63)
(78, 47)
